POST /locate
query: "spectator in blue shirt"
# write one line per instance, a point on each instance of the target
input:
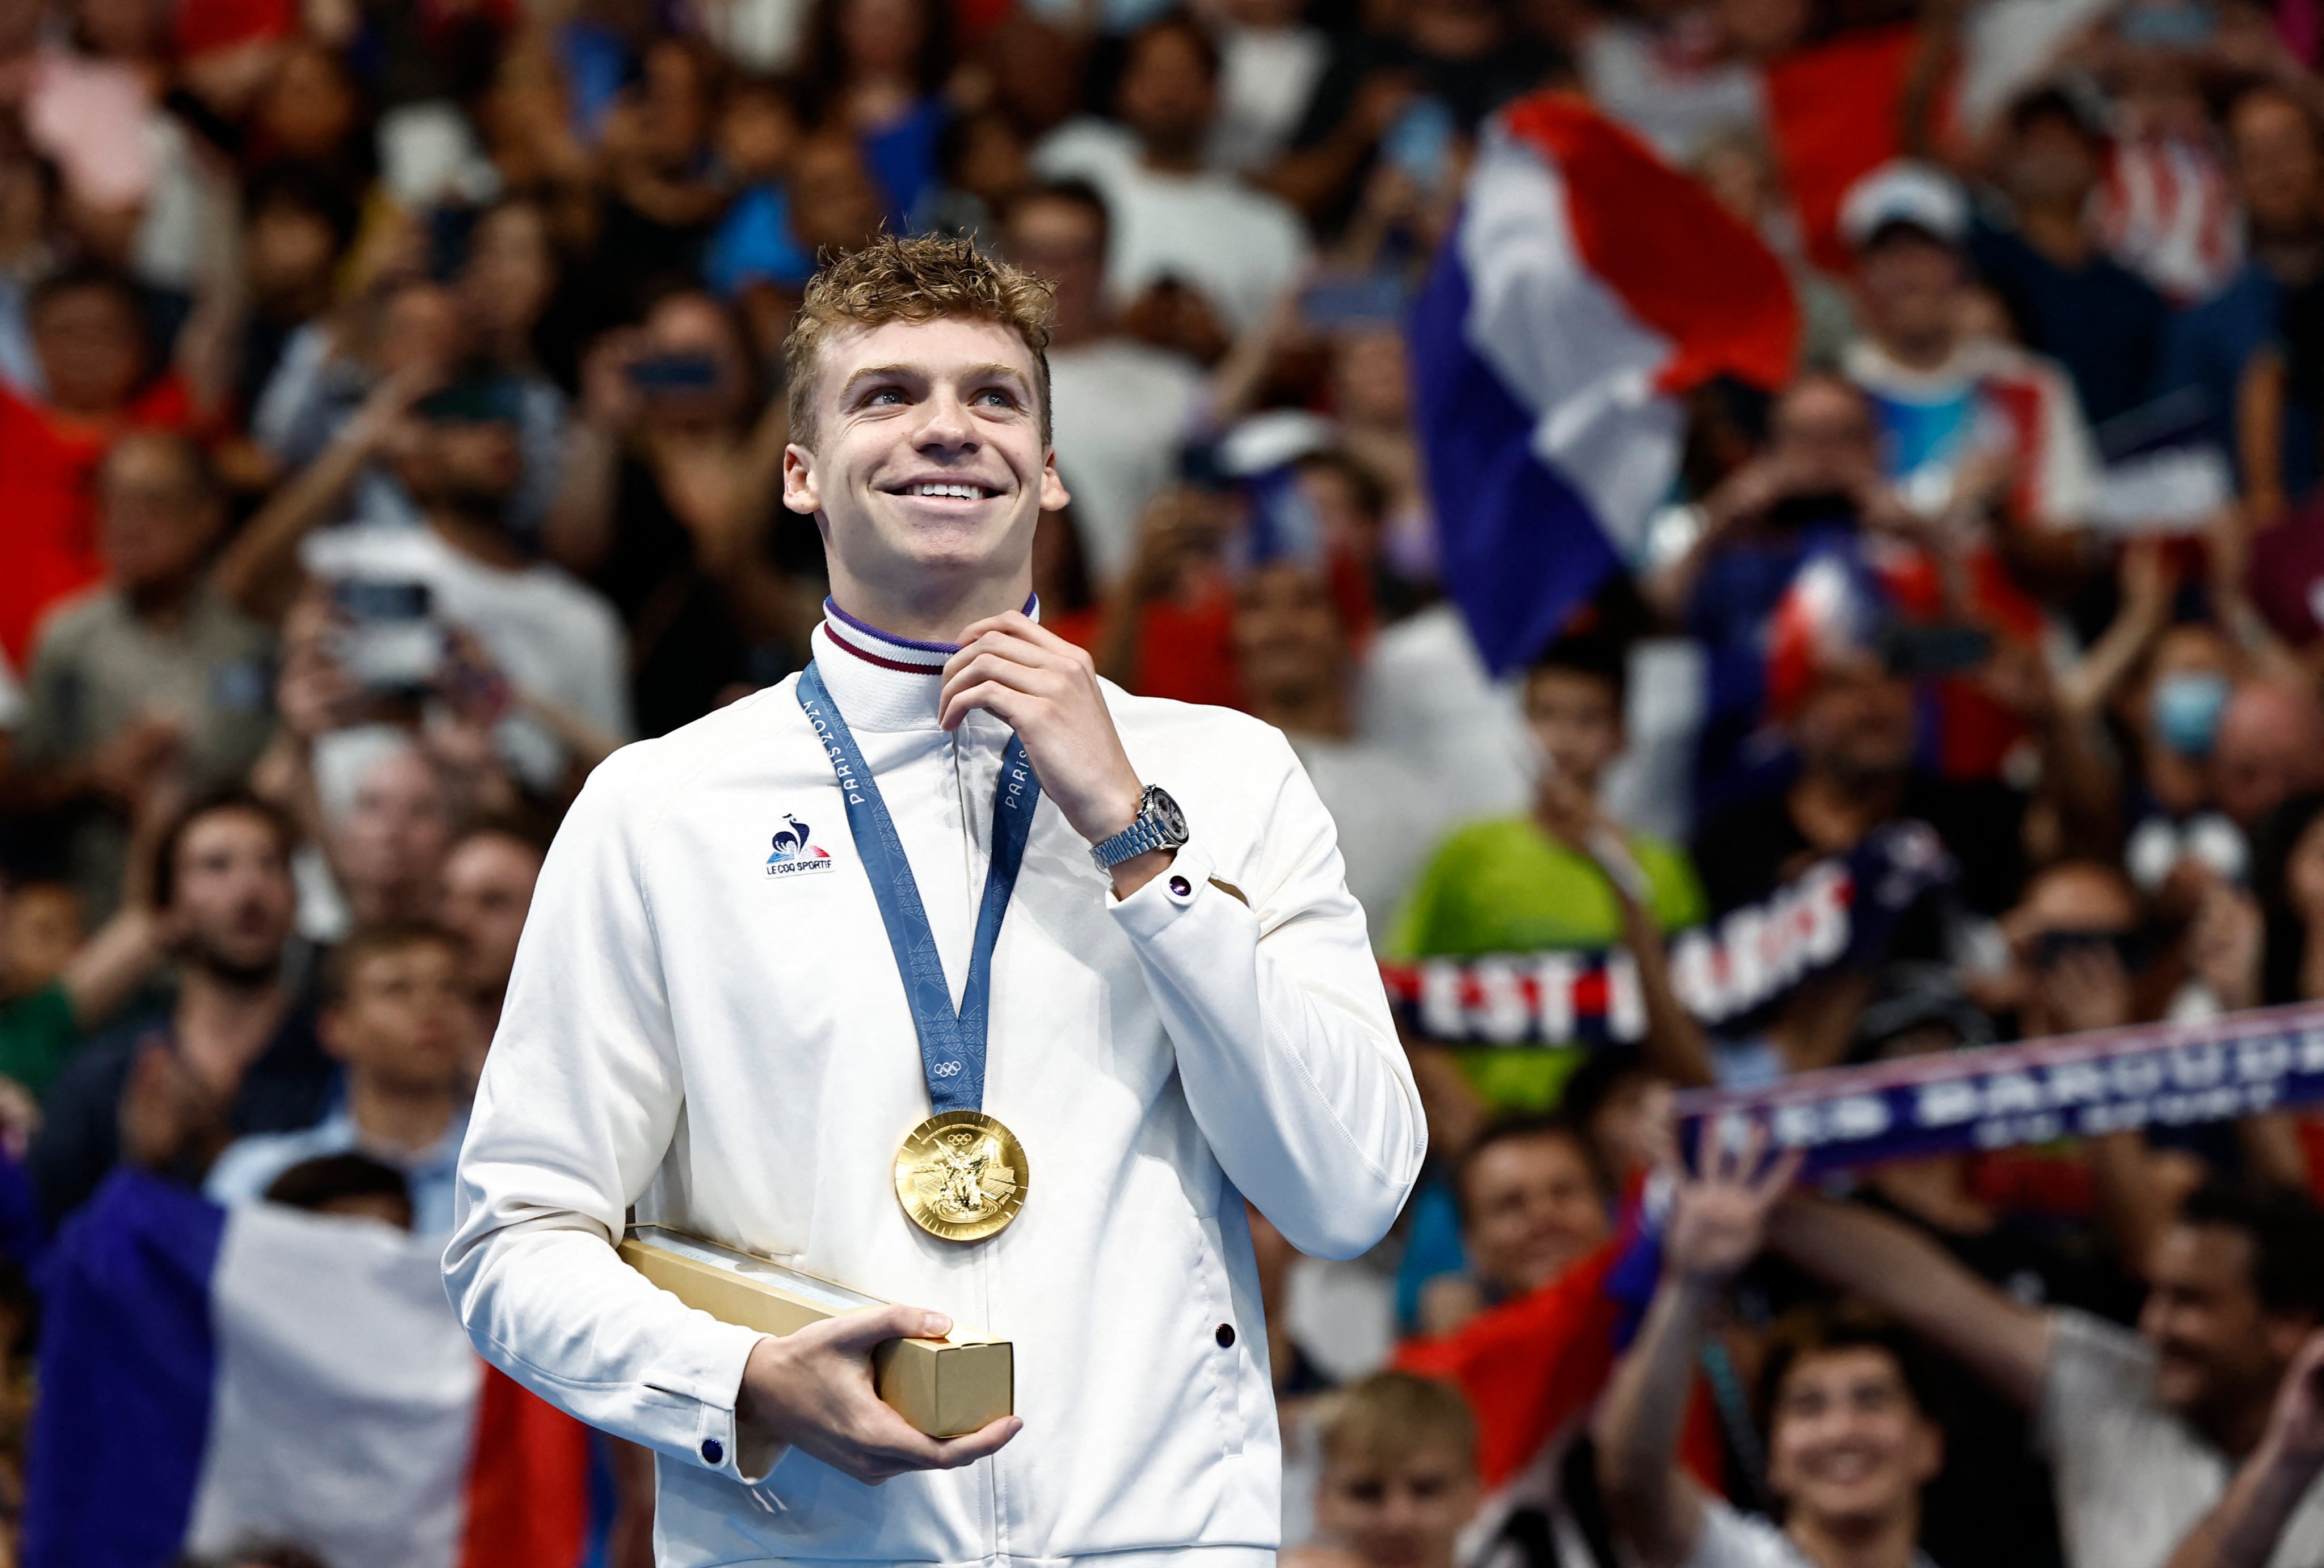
(395, 1013)
(2065, 296)
(2280, 176)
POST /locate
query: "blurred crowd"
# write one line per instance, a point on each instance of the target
(391, 428)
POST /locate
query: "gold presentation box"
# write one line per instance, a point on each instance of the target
(944, 1387)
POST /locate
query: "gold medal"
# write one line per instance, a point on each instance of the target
(961, 1174)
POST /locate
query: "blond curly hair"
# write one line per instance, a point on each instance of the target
(913, 280)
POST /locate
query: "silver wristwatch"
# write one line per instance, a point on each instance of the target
(1159, 824)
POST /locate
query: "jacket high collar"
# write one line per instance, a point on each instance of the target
(881, 681)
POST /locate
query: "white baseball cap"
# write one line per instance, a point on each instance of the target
(1918, 195)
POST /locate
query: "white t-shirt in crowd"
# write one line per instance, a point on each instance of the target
(1986, 399)
(1731, 1539)
(1387, 816)
(1122, 408)
(1426, 694)
(2132, 1478)
(1266, 75)
(1679, 104)
(1238, 247)
(551, 635)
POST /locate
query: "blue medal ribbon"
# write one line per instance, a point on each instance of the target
(952, 1044)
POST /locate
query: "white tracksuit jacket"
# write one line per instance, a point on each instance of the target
(731, 1051)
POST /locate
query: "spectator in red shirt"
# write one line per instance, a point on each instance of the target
(89, 333)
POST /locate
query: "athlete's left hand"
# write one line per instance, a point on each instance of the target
(1046, 690)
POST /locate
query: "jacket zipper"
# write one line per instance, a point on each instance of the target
(967, 828)
(996, 1493)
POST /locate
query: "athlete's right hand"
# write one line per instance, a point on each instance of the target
(813, 1391)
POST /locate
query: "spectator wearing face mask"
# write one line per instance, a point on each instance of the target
(2169, 684)
(2188, 685)
(394, 1015)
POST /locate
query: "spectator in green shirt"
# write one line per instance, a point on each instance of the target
(1540, 882)
(55, 986)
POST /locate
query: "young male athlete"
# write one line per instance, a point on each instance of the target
(950, 973)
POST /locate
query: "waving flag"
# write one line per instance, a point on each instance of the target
(1588, 287)
(208, 1375)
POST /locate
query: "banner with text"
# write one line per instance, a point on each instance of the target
(1840, 911)
(2006, 1096)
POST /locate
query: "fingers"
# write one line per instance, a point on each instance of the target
(978, 1444)
(859, 1332)
(1017, 635)
(1005, 703)
(1735, 1160)
(1012, 652)
(1722, 1158)
(1038, 680)
(1779, 1175)
(907, 1449)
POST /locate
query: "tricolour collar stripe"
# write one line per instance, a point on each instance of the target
(907, 655)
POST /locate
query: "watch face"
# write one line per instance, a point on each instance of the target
(1167, 815)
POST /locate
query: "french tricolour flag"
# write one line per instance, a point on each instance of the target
(1587, 288)
(208, 1376)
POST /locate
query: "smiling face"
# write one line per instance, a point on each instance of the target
(1533, 1208)
(2218, 1350)
(924, 464)
(1848, 1446)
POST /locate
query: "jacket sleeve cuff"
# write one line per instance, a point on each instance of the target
(716, 1439)
(1184, 887)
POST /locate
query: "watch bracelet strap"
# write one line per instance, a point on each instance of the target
(1143, 835)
